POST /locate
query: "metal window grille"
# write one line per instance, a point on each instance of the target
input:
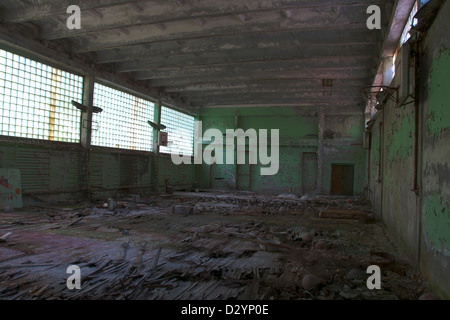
(180, 129)
(123, 121)
(35, 100)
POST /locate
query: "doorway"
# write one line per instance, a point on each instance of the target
(244, 174)
(309, 172)
(343, 179)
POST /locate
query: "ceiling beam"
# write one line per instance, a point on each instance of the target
(219, 52)
(213, 80)
(49, 9)
(298, 107)
(354, 107)
(326, 93)
(280, 93)
(274, 99)
(157, 12)
(299, 84)
(289, 57)
(355, 72)
(304, 66)
(263, 41)
(309, 19)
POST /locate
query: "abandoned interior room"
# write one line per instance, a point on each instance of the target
(224, 150)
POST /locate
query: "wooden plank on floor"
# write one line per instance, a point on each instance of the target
(342, 214)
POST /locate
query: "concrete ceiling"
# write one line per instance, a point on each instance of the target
(221, 53)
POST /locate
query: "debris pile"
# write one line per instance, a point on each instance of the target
(197, 246)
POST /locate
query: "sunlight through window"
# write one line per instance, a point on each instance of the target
(35, 100)
(123, 121)
(180, 129)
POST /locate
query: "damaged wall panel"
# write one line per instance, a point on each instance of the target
(217, 176)
(298, 130)
(181, 176)
(418, 216)
(344, 126)
(61, 168)
(375, 169)
(392, 171)
(297, 134)
(400, 211)
(435, 227)
(45, 167)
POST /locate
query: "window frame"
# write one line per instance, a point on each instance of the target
(130, 93)
(169, 150)
(31, 82)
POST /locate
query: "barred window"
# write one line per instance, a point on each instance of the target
(35, 100)
(123, 121)
(180, 129)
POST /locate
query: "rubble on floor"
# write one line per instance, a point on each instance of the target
(203, 245)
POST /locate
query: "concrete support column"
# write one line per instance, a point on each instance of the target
(86, 126)
(197, 135)
(86, 117)
(156, 119)
(236, 171)
(320, 150)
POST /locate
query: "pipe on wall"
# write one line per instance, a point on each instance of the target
(416, 116)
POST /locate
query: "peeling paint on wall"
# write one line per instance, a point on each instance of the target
(400, 142)
(435, 104)
(437, 222)
(345, 126)
(375, 157)
(182, 174)
(436, 204)
(298, 134)
(438, 118)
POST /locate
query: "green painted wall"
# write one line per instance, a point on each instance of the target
(343, 145)
(437, 221)
(436, 179)
(375, 154)
(393, 197)
(180, 176)
(375, 169)
(345, 126)
(420, 222)
(298, 135)
(46, 167)
(437, 192)
(55, 167)
(435, 104)
(438, 115)
(400, 136)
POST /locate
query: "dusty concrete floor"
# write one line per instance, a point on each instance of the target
(234, 246)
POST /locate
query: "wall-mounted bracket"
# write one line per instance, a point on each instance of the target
(379, 95)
